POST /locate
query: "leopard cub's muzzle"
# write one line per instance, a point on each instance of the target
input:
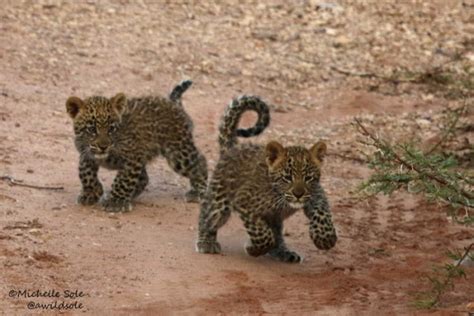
(297, 196)
(100, 148)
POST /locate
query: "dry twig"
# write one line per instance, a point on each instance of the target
(11, 181)
(373, 75)
(356, 74)
(353, 158)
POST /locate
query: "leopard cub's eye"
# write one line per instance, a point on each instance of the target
(91, 129)
(288, 177)
(112, 128)
(308, 178)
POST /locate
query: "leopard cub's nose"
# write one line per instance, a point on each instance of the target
(298, 192)
(102, 147)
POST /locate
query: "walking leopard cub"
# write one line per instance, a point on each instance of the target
(125, 134)
(264, 185)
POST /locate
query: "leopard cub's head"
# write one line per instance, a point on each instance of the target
(96, 122)
(295, 170)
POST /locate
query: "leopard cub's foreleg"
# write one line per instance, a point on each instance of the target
(128, 183)
(91, 187)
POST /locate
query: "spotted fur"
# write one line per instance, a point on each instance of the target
(125, 135)
(228, 129)
(179, 89)
(264, 185)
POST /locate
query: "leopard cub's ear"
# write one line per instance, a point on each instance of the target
(73, 106)
(119, 102)
(275, 153)
(318, 151)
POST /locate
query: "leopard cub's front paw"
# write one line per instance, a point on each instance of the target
(256, 251)
(192, 196)
(285, 255)
(208, 246)
(88, 198)
(115, 205)
(325, 242)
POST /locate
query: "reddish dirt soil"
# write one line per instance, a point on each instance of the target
(143, 262)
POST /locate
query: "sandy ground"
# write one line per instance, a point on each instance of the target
(143, 262)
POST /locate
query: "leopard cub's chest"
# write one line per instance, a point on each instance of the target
(112, 162)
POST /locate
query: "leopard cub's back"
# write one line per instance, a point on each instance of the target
(158, 120)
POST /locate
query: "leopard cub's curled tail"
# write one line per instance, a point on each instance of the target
(228, 131)
(179, 89)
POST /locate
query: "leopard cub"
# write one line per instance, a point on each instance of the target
(125, 134)
(264, 185)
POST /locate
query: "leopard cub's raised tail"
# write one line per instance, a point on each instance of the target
(179, 89)
(229, 131)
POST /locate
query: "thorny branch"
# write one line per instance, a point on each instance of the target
(458, 113)
(448, 279)
(400, 160)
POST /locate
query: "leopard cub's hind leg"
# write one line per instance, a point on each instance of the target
(214, 214)
(142, 183)
(262, 237)
(186, 160)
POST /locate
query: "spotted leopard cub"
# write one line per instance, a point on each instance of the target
(125, 134)
(264, 185)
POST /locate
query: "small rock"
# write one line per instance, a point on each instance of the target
(246, 72)
(470, 307)
(331, 31)
(327, 6)
(148, 77)
(341, 41)
(35, 231)
(470, 56)
(423, 122)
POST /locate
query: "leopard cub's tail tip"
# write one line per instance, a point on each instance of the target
(254, 103)
(229, 130)
(180, 89)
